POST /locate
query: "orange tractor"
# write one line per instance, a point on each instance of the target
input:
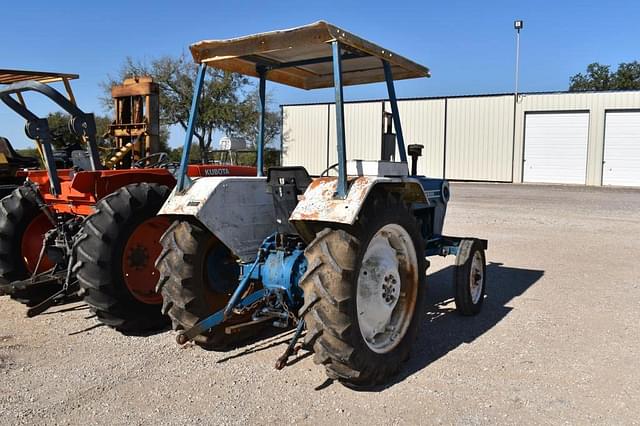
(91, 231)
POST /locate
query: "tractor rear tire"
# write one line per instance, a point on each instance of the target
(187, 298)
(336, 325)
(103, 253)
(17, 211)
(6, 190)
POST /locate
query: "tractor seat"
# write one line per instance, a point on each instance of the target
(285, 184)
(14, 158)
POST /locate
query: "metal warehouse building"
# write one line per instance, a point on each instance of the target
(590, 138)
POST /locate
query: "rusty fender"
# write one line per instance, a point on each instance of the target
(319, 204)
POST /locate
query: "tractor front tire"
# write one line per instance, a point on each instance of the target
(116, 252)
(470, 277)
(21, 219)
(364, 293)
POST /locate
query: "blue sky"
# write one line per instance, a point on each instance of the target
(469, 45)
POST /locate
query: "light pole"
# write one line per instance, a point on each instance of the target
(517, 25)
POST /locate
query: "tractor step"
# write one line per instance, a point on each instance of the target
(443, 245)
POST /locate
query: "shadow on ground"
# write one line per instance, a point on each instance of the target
(443, 329)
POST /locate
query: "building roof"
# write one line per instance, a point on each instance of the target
(301, 57)
(473, 95)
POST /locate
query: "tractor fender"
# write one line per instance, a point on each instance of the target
(236, 210)
(319, 204)
(103, 182)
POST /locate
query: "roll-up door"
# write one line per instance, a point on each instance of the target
(622, 149)
(555, 147)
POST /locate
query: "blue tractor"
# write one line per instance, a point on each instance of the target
(342, 256)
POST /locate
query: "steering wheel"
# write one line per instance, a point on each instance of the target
(325, 172)
(160, 160)
(172, 166)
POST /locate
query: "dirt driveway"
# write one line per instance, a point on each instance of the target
(558, 340)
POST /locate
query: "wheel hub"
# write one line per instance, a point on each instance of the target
(138, 257)
(390, 288)
(476, 280)
(142, 248)
(31, 244)
(387, 287)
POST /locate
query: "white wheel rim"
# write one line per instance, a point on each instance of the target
(387, 288)
(476, 277)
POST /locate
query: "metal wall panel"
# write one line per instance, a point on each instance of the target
(363, 131)
(304, 137)
(622, 148)
(596, 103)
(423, 124)
(479, 143)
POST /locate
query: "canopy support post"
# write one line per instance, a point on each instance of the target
(262, 73)
(341, 190)
(388, 76)
(183, 179)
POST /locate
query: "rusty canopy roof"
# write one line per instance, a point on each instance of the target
(14, 76)
(301, 57)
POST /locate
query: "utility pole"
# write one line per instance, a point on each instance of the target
(517, 25)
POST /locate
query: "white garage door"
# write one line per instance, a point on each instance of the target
(622, 149)
(555, 147)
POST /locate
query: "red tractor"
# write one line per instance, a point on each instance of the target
(90, 228)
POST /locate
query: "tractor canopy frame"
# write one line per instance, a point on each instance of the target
(45, 77)
(319, 55)
(37, 128)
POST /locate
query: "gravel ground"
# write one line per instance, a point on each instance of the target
(557, 342)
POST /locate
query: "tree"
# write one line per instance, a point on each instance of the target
(247, 125)
(62, 136)
(194, 154)
(30, 152)
(627, 76)
(599, 77)
(225, 104)
(64, 139)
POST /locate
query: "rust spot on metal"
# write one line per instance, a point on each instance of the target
(318, 181)
(319, 203)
